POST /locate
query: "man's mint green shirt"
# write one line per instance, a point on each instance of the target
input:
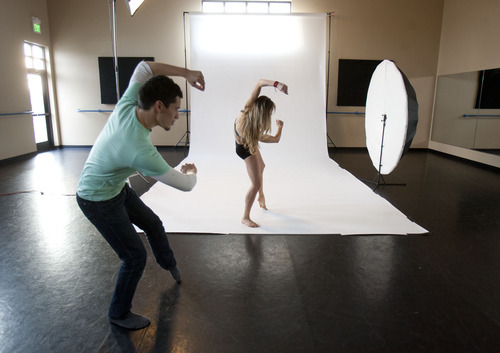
(122, 148)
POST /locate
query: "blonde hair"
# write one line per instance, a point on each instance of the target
(255, 121)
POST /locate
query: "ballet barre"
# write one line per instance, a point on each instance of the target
(481, 116)
(94, 111)
(342, 113)
(107, 111)
(13, 114)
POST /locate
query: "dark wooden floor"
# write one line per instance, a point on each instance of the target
(428, 293)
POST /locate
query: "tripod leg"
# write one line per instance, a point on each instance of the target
(186, 135)
(331, 141)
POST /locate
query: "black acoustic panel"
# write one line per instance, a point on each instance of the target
(353, 81)
(126, 66)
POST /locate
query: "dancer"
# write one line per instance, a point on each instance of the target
(252, 126)
(123, 147)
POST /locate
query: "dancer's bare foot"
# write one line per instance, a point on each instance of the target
(262, 202)
(249, 223)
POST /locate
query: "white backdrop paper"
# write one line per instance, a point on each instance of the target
(306, 192)
(233, 52)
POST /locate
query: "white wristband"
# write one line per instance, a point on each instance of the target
(142, 73)
(178, 180)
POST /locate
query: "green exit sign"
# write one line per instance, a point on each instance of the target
(37, 25)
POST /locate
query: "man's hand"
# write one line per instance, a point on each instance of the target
(196, 79)
(189, 168)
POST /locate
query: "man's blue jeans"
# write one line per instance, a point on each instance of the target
(114, 219)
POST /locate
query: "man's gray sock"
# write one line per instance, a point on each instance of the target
(176, 274)
(131, 321)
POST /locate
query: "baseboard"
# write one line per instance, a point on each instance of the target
(18, 158)
(467, 154)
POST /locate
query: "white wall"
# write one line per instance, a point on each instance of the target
(16, 132)
(469, 42)
(407, 32)
(155, 30)
(469, 36)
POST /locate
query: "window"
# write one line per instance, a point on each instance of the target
(35, 57)
(258, 7)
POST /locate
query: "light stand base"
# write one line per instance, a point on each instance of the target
(377, 182)
(186, 136)
(331, 141)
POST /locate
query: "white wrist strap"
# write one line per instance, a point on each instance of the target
(178, 180)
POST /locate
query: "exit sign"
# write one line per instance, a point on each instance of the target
(37, 25)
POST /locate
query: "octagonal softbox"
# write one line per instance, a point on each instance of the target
(391, 116)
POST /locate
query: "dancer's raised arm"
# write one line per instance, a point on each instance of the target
(263, 83)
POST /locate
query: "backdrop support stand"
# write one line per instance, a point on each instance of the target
(329, 14)
(187, 134)
(379, 176)
(115, 54)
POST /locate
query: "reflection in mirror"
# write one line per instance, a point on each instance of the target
(467, 111)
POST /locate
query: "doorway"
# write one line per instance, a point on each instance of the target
(36, 64)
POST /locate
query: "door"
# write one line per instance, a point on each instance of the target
(39, 94)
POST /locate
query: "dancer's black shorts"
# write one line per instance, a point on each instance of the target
(241, 151)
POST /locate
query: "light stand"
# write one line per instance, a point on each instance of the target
(329, 14)
(390, 94)
(115, 55)
(379, 175)
(187, 133)
(115, 63)
(132, 6)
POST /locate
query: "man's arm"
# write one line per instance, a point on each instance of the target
(195, 78)
(185, 180)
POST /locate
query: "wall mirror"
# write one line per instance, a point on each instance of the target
(467, 111)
